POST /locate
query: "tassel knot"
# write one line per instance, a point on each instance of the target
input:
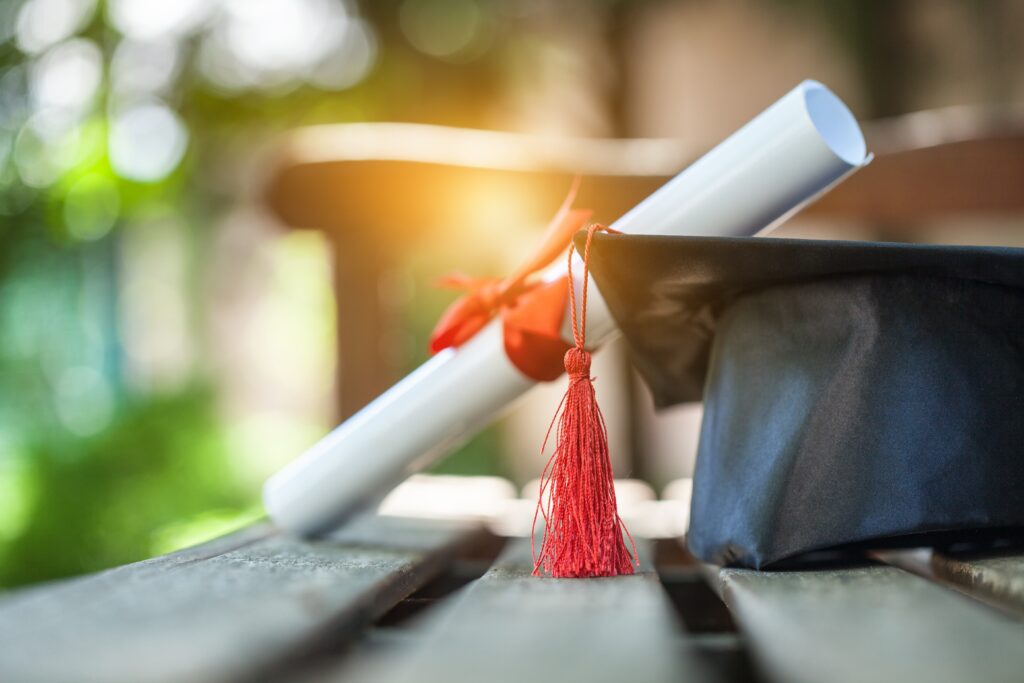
(577, 364)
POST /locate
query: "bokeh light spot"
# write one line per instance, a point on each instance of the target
(67, 76)
(37, 149)
(276, 45)
(154, 19)
(147, 141)
(42, 23)
(85, 401)
(91, 207)
(351, 62)
(16, 491)
(144, 67)
(440, 29)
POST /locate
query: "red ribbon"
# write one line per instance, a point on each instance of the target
(531, 310)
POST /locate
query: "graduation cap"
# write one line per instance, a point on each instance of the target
(855, 394)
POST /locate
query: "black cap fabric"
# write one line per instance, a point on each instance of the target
(855, 393)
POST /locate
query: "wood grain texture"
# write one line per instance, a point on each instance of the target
(869, 624)
(999, 578)
(511, 626)
(92, 587)
(218, 616)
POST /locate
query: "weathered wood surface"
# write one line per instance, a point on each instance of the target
(869, 624)
(999, 578)
(511, 626)
(220, 612)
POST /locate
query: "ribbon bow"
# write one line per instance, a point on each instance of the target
(531, 309)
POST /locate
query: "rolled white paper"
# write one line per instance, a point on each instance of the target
(784, 158)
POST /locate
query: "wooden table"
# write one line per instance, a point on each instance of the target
(387, 599)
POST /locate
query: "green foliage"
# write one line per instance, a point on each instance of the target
(102, 500)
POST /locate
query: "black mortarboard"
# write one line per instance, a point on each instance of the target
(854, 393)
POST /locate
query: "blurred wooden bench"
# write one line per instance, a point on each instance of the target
(387, 599)
(381, 190)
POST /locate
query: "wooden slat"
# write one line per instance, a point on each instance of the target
(999, 578)
(97, 584)
(869, 624)
(218, 616)
(511, 626)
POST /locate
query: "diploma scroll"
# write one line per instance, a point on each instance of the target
(784, 158)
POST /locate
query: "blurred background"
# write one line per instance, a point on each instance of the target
(195, 284)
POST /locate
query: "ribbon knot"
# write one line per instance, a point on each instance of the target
(531, 310)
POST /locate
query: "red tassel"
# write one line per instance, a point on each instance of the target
(583, 533)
